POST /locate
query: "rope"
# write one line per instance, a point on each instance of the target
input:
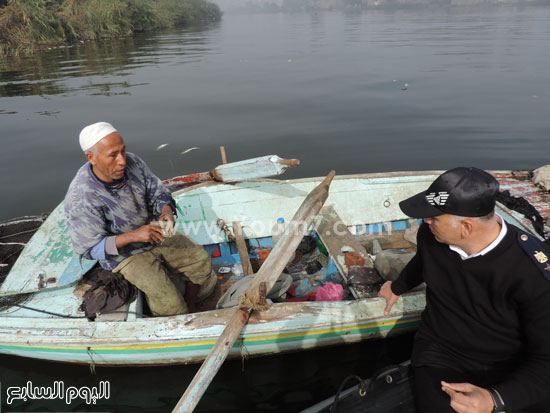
(11, 255)
(18, 233)
(244, 302)
(8, 301)
(27, 218)
(244, 352)
(363, 386)
(48, 312)
(78, 317)
(92, 362)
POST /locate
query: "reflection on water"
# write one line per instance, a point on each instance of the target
(104, 66)
(371, 91)
(283, 383)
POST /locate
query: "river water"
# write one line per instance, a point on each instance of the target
(324, 87)
(381, 90)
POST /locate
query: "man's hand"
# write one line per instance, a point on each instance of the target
(166, 221)
(387, 293)
(467, 398)
(166, 214)
(145, 233)
(149, 233)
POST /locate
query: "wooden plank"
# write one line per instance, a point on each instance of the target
(337, 239)
(264, 280)
(255, 168)
(387, 240)
(241, 245)
(249, 169)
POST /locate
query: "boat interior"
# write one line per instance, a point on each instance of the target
(359, 223)
(316, 262)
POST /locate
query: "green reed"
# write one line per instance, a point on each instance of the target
(28, 24)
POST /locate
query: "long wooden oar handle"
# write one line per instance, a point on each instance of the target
(255, 293)
(329, 178)
(289, 162)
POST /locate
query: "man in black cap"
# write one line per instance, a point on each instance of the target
(483, 344)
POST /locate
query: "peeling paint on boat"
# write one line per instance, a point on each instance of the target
(49, 254)
(358, 199)
(189, 338)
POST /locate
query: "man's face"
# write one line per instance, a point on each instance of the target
(446, 229)
(110, 162)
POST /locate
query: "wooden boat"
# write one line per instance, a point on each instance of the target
(367, 205)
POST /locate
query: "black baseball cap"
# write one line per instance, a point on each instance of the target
(466, 192)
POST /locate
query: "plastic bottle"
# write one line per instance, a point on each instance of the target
(278, 231)
(320, 246)
(237, 271)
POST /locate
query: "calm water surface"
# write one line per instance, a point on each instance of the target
(326, 88)
(323, 87)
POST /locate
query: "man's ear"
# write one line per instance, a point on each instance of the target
(467, 227)
(90, 157)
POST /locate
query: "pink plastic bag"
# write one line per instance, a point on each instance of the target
(330, 292)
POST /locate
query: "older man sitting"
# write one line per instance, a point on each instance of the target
(110, 205)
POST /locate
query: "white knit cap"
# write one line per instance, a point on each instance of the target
(92, 134)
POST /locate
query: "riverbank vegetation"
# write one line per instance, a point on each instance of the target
(27, 24)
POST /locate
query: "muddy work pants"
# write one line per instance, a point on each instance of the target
(148, 271)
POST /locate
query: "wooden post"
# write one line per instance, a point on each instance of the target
(268, 274)
(241, 246)
(224, 158)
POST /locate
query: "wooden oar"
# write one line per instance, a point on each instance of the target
(246, 170)
(264, 279)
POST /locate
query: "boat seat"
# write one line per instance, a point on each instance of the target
(338, 240)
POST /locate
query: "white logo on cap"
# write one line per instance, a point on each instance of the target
(437, 198)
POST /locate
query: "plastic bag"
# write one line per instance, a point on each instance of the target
(330, 292)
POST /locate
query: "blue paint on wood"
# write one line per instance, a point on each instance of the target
(400, 225)
(74, 271)
(225, 249)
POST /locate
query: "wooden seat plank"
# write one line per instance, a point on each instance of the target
(338, 239)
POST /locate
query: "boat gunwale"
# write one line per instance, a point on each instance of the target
(99, 333)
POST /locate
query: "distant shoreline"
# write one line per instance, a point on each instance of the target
(26, 25)
(313, 5)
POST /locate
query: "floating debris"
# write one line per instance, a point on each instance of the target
(164, 145)
(405, 86)
(189, 150)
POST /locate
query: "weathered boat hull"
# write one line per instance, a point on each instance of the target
(189, 338)
(364, 202)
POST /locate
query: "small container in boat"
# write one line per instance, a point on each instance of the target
(353, 258)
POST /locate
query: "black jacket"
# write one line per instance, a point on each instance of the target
(487, 310)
